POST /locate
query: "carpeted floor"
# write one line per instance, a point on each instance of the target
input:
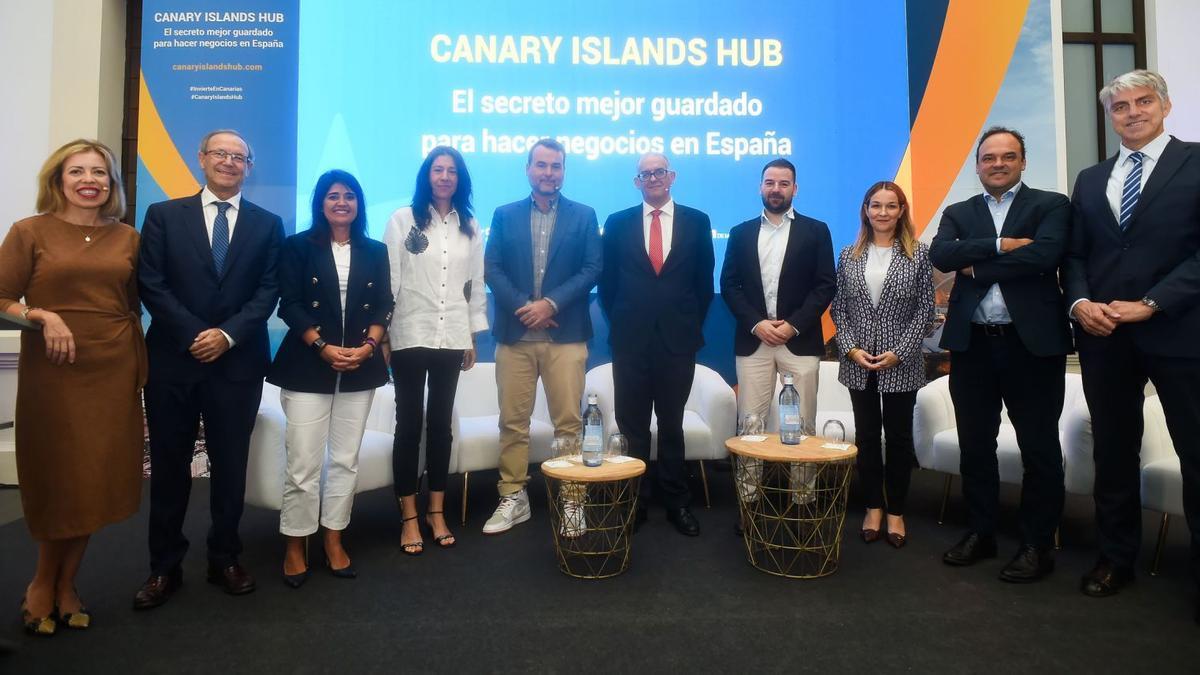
(498, 604)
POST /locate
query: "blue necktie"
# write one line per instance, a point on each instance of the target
(1131, 191)
(220, 237)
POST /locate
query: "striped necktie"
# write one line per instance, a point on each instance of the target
(1131, 191)
(220, 236)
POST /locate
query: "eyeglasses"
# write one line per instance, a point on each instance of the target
(236, 158)
(657, 173)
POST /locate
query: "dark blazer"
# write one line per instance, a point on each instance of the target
(310, 296)
(1028, 276)
(637, 302)
(806, 284)
(897, 324)
(179, 286)
(573, 266)
(1158, 256)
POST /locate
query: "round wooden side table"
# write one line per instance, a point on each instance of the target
(792, 501)
(591, 513)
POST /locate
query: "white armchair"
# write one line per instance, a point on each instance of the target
(476, 426)
(1162, 478)
(265, 471)
(709, 417)
(935, 434)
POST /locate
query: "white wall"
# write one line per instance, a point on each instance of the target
(1173, 51)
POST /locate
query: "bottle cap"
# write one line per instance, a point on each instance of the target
(787, 378)
(592, 400)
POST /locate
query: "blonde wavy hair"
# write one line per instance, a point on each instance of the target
(50, 197)
(904, 226)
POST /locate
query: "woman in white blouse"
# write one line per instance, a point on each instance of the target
(883, 308)
(436, 254)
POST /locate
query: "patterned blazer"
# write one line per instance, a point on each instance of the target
(903, 317)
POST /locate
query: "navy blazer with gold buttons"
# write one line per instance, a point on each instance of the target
(310, 297)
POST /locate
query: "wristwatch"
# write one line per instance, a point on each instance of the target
(318, 344)
(1149, 302)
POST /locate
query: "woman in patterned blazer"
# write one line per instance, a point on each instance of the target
(882, 310)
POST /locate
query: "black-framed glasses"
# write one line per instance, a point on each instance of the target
(657, 173)
(235, 157)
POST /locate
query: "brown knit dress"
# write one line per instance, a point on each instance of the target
(78, 426)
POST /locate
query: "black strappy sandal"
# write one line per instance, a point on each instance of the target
(412, 547)
(441, 541)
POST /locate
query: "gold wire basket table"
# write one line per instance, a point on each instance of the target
(599, 545)
(792, 502)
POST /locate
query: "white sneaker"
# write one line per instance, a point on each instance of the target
(573, 522)
(513, 510)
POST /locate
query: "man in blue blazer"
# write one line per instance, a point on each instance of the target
(207, 276)
(542, 259)
(1008, 339)
(1132, 277)
(655, 291)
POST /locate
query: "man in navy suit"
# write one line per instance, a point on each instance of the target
(1132, 277)
(207, 276)
(542, 259)
(655, 291)
(1008, 337)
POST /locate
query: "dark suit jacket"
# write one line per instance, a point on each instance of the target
(310, 296)
(573, 266)
(1158, 256)
(806, 284)
(639, 303)
(180, 288)
(1028, 276)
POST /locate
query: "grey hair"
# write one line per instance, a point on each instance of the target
(1133, 80)
(666, 160)
(232, 132)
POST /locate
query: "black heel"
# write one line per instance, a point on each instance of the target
(412, 547)
(297, 580)
(440, 541)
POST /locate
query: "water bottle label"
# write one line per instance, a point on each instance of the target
(792, 419)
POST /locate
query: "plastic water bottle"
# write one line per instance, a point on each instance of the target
(789, 413)
(593, 434)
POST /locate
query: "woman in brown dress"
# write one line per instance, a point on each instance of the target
(79, 428)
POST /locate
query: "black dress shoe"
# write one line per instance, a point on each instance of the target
(1029, 564)
(970, 549)
(347, 572)
(639, 518)
(684, 521)
(1105, 579)
(869, 536)
(296, 580)
(157, 589)
(234, 579)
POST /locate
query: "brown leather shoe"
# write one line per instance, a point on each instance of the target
(157, 589)
(234, 580)
(1105, 579)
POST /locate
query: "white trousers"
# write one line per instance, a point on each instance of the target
(324, 432)
(756, 376)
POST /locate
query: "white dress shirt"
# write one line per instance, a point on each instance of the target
(991, 308)
(341, 264)
(430, 282)
(1116, 180)
(772, 245)
(209, 202)
(666, 219)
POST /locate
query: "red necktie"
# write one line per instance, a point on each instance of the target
(656, 253)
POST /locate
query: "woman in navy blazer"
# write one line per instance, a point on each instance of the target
(336, 298)
(882, 310)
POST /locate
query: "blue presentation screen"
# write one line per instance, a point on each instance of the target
(371, 85)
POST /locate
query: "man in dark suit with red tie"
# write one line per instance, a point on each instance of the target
(655, 290)
(1132, 278)
(206, 274)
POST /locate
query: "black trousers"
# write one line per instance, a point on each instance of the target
(876, 414)
(1115, 371)
(995, 369)
(173, 412)
(659, 380)
(410, 370)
